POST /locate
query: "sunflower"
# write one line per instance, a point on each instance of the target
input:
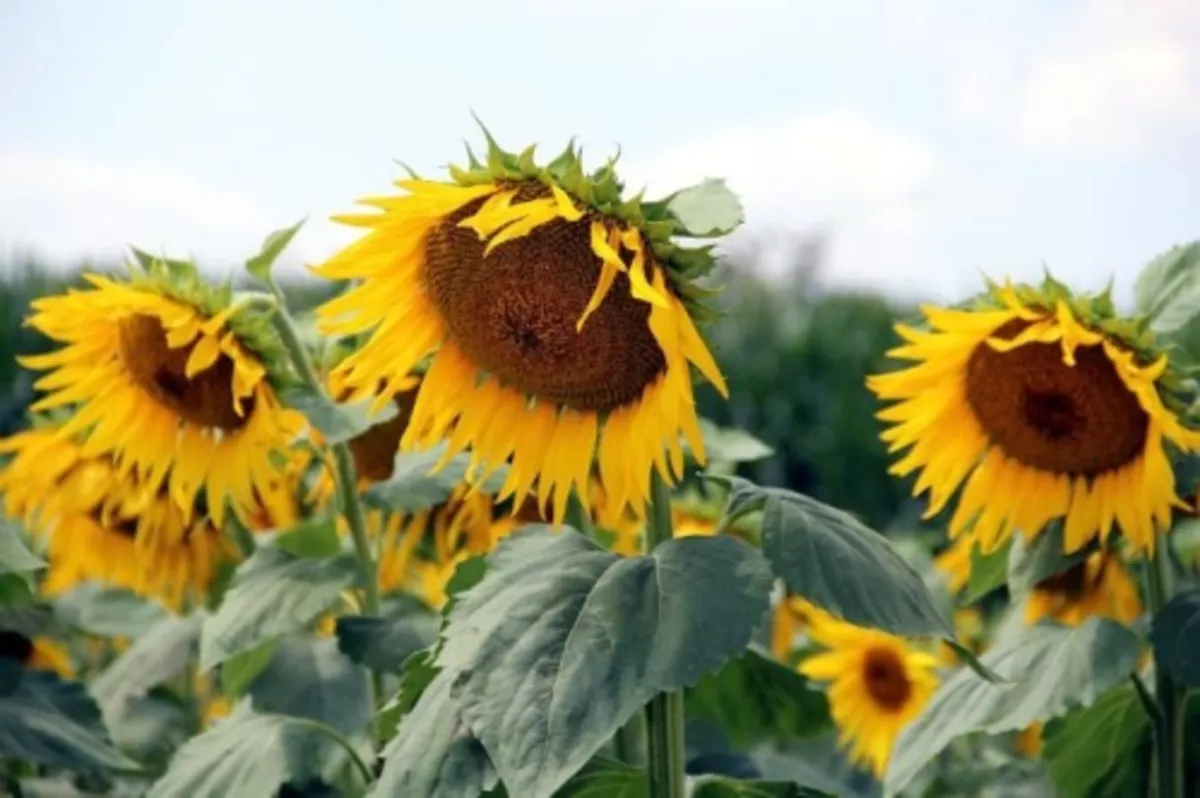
(102, 523)
(1098, 585)
(36, 653)
(879, 684)
(558, 315)
(171, 379)
(1042, 405)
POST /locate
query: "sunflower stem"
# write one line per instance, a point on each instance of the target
(1169, 727)
(664, 713)
(347, 482)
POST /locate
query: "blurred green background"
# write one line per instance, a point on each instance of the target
(795, 356)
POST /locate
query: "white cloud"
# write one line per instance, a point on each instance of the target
(880, 192)
(76, 208)
(1119, 77)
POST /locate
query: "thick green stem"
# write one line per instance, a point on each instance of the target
(346, 478)
(1170, 697)
(664, 713)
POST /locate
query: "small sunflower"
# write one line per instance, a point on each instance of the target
(1042, 405)
(104, 524)
(879, 684)
(171, 379)
(36, 653)
(558, 315)
(1098, 585)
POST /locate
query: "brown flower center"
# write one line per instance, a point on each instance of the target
(514, 312)
(205, 400)
(1079, 420)
(15, 646)
(375, 450)
(886, 679)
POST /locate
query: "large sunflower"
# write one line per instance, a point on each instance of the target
(1098, 585)
(879, 684)
(171, 379)
(102, 523)
(559, 317)
(1042, 405)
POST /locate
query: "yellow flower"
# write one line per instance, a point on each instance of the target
(1029, 741)
(1098, 585)
(173, 392)
(558, 318)
(102, 523)
(36, 653)
(1041, 406)
(790, 616)
(879, 684)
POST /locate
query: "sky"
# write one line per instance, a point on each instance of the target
(932, 141)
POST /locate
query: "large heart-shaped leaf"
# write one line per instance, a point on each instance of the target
(15, 556)
(52, 722)
(828, 557)
(245, 754)
(1176, 637)
(153, 658)
(435, 755)
(721, 787)
(562, 641)
(311, 679)
(273, 593)
(1168, 287)
(1049, 669)
(1086, 745)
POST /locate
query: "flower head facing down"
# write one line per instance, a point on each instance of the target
(557, 314)
(170, 379)
(1098, 585)
(879, 683)
(1040, 406)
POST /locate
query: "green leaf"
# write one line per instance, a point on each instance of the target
(435, 755)
(414, 486)
(988, 572)
(273, 593)
(1175, 635)
(53, 722)
(1167, 290)
(337, 421)
(383, 644)
(416, 674)
(313, 537)
(828, 557)
(149, 728)
(1050, 669)
(15, 590)
(730, 444)
(239, 671)
(562, 641)
(109, 611)
(1031, 562)
(606, 778)
(721, 787)
(155, 657)
(707, 209)
(245, 754)
(15, 556)
(273, 246)
(1086, 745)
(311, 679)
(755, 699)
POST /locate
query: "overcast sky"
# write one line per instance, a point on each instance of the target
(933, 139)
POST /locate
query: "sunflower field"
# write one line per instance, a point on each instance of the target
(484, 520)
